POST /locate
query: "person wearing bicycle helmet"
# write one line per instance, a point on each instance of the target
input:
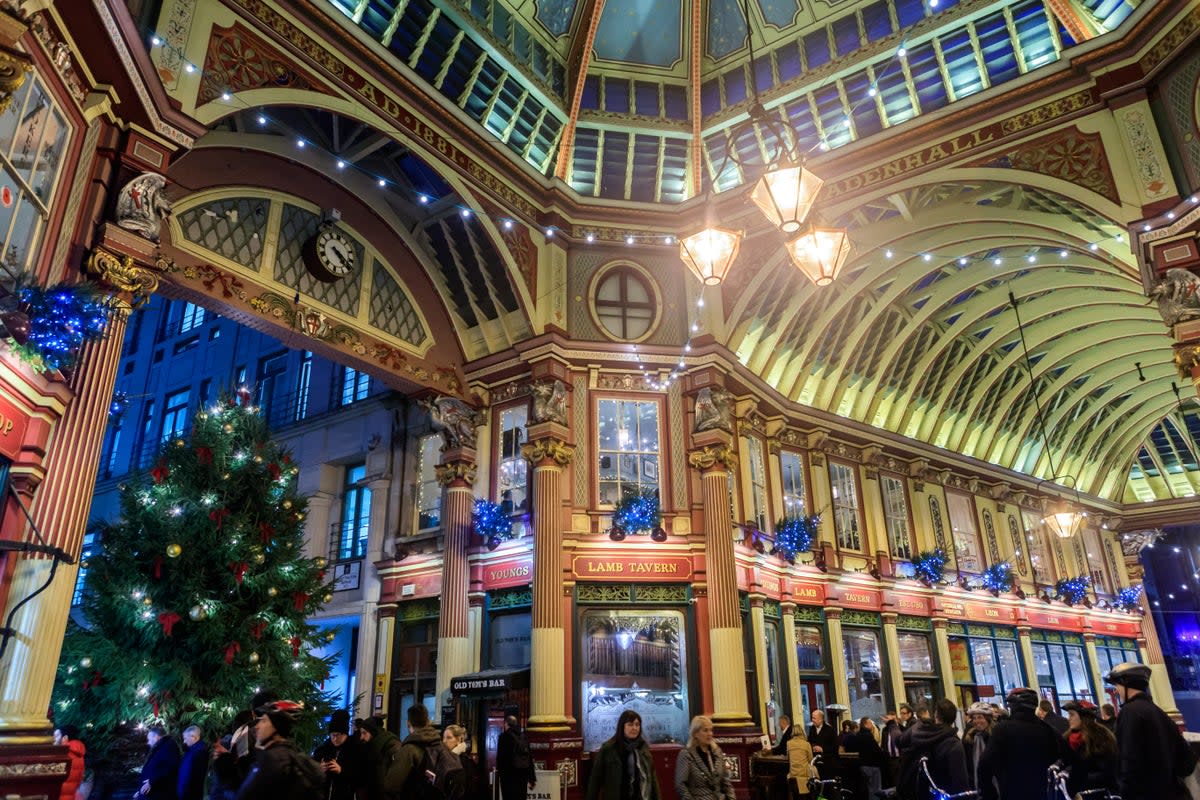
(1019, 752)
(280, 770)
(1092, 750)
(975, 738)
(1153, 758)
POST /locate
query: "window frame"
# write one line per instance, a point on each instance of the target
(861, 530)
(804, 487)
(756, 495)
(662, 453)
(909, 524)
(625, 270)
(357, 498)
(355, 384)
(176, 414)
(1037, 535)
(973, 516)
(420, 482)
(498, 458)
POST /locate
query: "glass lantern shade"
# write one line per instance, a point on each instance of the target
(1063, 519)
(820, 253)
(710, 253)
(785, 195)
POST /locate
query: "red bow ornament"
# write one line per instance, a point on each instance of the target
(295, 642)
(157, 567)
(160, 472)
(299, 599)
(238, 568)
(257, 628)
(233, 649)
(218, 516)
(167, 619)
(265, 532)
(96, 680)
(273, 468)
(204, 455)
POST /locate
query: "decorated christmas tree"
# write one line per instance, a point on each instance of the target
(199, 593)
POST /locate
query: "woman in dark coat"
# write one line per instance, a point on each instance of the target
(622, 768)
(1093, 750)
(700, 771)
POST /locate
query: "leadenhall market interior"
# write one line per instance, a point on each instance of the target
(734, 312)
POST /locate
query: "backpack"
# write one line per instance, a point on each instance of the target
(440, 776)
(520, 755)
(306, 778)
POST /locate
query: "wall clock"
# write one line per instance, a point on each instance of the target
(329, 255)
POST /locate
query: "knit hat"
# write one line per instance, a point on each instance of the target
(1022, 699)
(371, 725)
(339, 722)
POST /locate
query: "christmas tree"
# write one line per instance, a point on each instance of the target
(200, 591)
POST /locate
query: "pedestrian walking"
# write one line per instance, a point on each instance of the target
(623, 768)
(161, 770)
(1153, 758)
(700, 771)
(514, 761)
(1019, 752)
(193, 766)
(1091, 750)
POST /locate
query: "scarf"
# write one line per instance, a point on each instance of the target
(632, 781)
(1075, 739)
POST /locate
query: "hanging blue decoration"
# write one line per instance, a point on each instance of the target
(61, 319)
(491, 522)
(1128, 599)
(998, 578)
(929, 566)
(637, 513)
(116, 408)
(1073, 590)
(795, 535)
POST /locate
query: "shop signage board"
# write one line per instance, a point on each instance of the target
(977, 612)
(626, 568)
(914, 604)
(13, 423)
(1054, 620)
(806, 593)
(1117, 627)
(506, 574)
(868, 599)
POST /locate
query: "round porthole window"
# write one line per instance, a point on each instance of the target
(625, 303)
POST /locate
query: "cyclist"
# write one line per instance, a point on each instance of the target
(1153, 757)
(1019, 752)
(1092, 750)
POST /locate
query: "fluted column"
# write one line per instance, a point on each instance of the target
(1093, 662)
(60, 511)
(456, 474)
(792, 662)
(730, 707)
(1026, 645)
(547, 454)
(941, 640)
(891, 637)
(837, 656)
(762, 677)
(384, 632)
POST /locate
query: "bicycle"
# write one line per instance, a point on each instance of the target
(818, 786)
(1056, 780)
(938, 794)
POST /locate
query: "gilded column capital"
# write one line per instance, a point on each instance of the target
(461, 472)
(713, 457)
(123, 274)
(540, 451)
(889, 617)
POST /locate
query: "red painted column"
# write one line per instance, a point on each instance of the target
(457, 474)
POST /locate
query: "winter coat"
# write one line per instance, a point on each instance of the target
(1017, 756)
(475, 779)
(342, 785)
(869, 753)
(800, 758)
(780, 747)
(161, 770)
(700, 778)
(278, 773)
(514, 762)
(1095, 771)
(1057, 722)
(231, 768)
(1153, 756)
(974, 743)
(608, 770)
(392, 763)
(75, 752)
(947, 762)
(827, 740)
(192, 769)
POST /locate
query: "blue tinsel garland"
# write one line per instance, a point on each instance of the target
(61, 318)
(930, 566)
(1073, 590)
(1128, 599)
(998, 577)
(491, 522)
(794, 535)
(638, 513)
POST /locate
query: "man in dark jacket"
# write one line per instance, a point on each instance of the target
(1046, 713)
(935, 739)
(162, 766)
(280, 770)
(393, 772)
(824, 741)
(339, 757)
(194, 765)
(1153, 757)
(1019, 752)
(514, 762)
(785, 736)
(1108, 718)
(870, 756)
(232, 763)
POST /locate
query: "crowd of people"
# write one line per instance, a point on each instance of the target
(1002, 753)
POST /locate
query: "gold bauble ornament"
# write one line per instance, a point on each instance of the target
(85, 662)
(173, 550)
(328, 598)
(252, 658)
(197, 613)
(320, 562)
(258, 459)
(299, 515)
(201, 415)
(259, 558)
(84, 564)
(227, 427)
(329, 637)
(146, 601)
(272, 591)
(226, 476)
(180, 443)
(287, 504)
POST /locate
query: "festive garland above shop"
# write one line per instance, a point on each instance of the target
(491, 522)
(1072, 590)
(637, 513)
(795, 535)
(46, 327)
(930, 566)
(998, 578)
(1128, 599)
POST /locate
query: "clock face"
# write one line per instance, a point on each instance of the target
(330, 255)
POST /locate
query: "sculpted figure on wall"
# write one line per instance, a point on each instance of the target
(714, 410)
(1178, 296)
(454, 419)
(142, 205)
(550, 401)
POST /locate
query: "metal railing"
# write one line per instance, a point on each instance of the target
(348, 539)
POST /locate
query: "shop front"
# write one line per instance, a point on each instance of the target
(986, 662)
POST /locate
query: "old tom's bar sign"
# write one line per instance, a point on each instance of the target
(624, 568)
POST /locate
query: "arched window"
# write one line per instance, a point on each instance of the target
(626, 303)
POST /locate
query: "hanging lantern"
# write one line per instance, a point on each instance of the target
(710, 253)
(1064, 519)
(785, 195)
(820, 253)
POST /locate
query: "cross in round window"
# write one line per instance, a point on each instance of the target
(625, 304)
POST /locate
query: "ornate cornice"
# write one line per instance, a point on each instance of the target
(548, 449)
(712, 456)
(456, 471)
(122, 273)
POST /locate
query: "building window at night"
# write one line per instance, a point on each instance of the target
(303, 383)
(864, 670)
(147, 444)
(512, 473)
(272, 396)
(625, 303)
(355, 528)
(33, 138)
(429, 491)
(1039, 556)
(628, 449)
(354, 385)
(89, 547)
(510, 640)
(792, 469)
(845, 506)
(175, 412)
(1111, 650)
(758, 481)
(1095, 560)
(114, 445)
(921, 681)
(191, 317)
(895, 515)
(1062, 667)
(984, 655)
(968, 552)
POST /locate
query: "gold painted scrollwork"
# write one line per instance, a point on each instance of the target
(122, 274)
(456, 471)
(556, 450)
(706, 458)
(1187, 358)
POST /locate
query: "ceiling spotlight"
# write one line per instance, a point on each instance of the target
(154, 40)
(591, 237)
(262, 120)
(423, 199)
(872, 91)
(628, 240)
(300, 143)
(902, 52)
(508, 223)
(927, 257)
(1031, 258)
(226, 96)
(341, 164)
(1146, 227)
(962, 262)
(997, 261)
(888, 253)
(1170, 215)
(549, 233)
(465, 213)
(668, 239)
(1062, 253)
(189, 68)
(382, 183)
(1093, 247)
